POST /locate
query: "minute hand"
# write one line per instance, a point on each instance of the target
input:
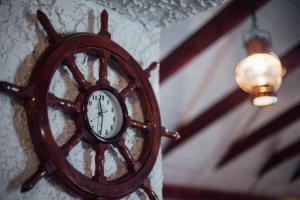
(101, 114)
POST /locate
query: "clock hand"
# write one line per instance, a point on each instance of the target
(100, 105)
(101, 124)
(99, 113)
(101, 117)
(97, 124)
(95, 117)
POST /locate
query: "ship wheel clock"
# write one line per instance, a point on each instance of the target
(99, 112)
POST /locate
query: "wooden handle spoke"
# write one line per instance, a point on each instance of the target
(104, 24)
(137, 124)
(99, 162)
(129, 88)
(170, 134)
(14, 91)
(103, 64)
(131, 163)
(45, 22)
(152, 67)
(34, 179)
(146, 186)
(63, 104)
(78, 76)
(72, 142)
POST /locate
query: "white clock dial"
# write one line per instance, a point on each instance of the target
(104, 114)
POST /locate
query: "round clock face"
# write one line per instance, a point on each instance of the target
(104, 114)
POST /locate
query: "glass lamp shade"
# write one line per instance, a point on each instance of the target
(264, 100)
(260, 74)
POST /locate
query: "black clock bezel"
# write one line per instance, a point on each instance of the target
(124, 114)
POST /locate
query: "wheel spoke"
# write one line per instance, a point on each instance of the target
(14, 91)
(72, 142)
(34, 179)
(170, 134)
(99, 162)
(63, 104)
(137, 124)
(151, 67)
(132, 164)
(104, 24)
(103, 63)
(129, 88)
(72, 66)
(146, 186)
(53, 35)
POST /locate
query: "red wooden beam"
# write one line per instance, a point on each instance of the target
(296, 174)
(271, 128)
(207, 117)
(280, 157)
(228, 18)
(290, 60)
(184, 192)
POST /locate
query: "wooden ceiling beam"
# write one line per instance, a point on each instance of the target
(296, 175)
(290, 60)
(280, 157)
(271, 128)
(226, 20)
(207, 117)
(184, 192)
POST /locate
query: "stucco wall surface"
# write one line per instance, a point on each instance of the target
(159, 13)
(22, 41)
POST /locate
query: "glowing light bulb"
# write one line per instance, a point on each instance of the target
(260, 74)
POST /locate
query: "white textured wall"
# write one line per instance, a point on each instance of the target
(22, 40)
(159, 13)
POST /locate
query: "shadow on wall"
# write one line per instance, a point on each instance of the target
(20, 121)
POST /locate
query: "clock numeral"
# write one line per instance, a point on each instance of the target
(94, 97)
(107, 102)
(106, 132)
(111, 128)
(102, 97)
(90, 102)
(112, 110)
(114, 119)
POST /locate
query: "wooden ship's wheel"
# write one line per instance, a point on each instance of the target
(99, 102)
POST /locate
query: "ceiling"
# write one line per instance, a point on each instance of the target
(207, 79)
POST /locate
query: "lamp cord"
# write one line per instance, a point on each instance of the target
(253, 14)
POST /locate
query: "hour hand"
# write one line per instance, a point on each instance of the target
(95, 117)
